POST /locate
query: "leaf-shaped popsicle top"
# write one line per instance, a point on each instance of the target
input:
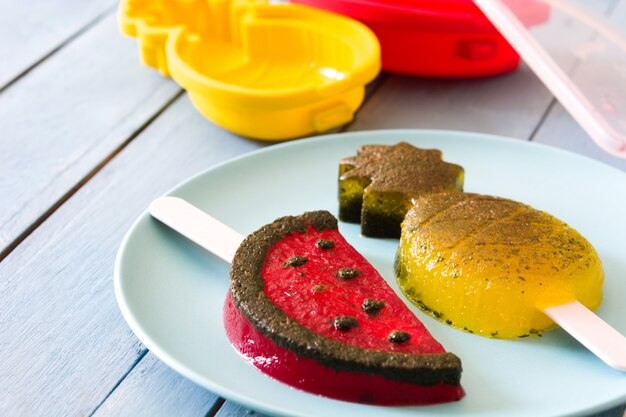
(403, 168)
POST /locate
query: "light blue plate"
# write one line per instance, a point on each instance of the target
(171, 292)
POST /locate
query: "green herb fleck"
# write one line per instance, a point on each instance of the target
(320, 288)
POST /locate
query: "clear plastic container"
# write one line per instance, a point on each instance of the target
(580, 56)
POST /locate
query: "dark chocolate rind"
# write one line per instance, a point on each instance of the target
(247, 291)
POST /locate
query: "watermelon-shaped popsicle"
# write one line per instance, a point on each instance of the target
(308, 310)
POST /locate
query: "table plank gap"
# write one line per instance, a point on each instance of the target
(140, 357)
(153, 389)
(7, 84)
(231, 409)
(42, 28)
(215, 408)
(619, 411)
(543, 118)
(81, 182)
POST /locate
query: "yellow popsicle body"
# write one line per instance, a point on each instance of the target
(489, 265)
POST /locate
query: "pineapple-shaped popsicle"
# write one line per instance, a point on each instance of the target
(379, 185)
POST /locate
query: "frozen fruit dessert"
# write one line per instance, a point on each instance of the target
(307, 309)
(489, 265)
(379, 185)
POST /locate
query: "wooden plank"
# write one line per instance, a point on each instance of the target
(64, 343)
(562, 131)
(613, 412)
(230, 409)
(31, 30)
(510, 105)
(153, 389)
(66, 117)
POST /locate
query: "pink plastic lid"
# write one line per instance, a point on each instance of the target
(580, 55)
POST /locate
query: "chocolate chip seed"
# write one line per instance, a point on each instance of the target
(345, 323)
(398, 337)
(296, 261)
(372, 307)
(325, 244)
(348, 273)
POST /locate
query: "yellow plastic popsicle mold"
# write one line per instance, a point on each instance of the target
(261, 70)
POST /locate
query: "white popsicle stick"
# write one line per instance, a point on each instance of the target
(592, 332)
(199, 227)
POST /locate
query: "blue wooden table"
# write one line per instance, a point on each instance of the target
(88, 137)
